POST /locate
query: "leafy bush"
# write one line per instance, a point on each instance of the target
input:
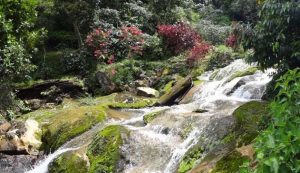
(153, 48)
(77, 62)
(278, 147)
(215, 34)
(220, 57)
(197, 53)
(116, 43)
(275, 38)
(178, 37)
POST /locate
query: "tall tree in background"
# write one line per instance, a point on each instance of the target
(79, 12)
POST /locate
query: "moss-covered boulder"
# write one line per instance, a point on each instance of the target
(180, 88)
(151, 116)
(235, 148)
(190, 159)
(69, 123)
(104, 151)
(230, 163)
(69, 162)
(249, 71)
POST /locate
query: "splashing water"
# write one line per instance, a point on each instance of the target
(158, 146)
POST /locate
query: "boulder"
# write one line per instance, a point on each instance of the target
(189, 96)
(104, 82)
(16, 163)
(180, 89)
(20, 138)
(147, 92)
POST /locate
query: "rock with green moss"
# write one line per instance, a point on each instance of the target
(151, 116)
(69, 162)
(190, 159)
(104, 151)
(140, 103)
(69, 123)
(249, 71)
(180, 88)
(230, 163)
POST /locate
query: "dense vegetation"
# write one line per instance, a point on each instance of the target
(133, 43)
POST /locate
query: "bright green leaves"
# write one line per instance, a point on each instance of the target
(278, 147)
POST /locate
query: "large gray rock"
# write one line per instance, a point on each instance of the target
(16, 163)
(147, 92)
(104, 82)
(19, 137)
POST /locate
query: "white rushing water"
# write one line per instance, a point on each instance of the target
(158, 146)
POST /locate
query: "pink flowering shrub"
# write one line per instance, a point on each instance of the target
(115, 44)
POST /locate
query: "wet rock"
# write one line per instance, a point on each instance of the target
(177, 91)
(20, 138)
(189, 96)
(104, 82)
(104, 152)
(16, 163)
(147, 92)
(70, 162)
(34, 104)
(4, 127)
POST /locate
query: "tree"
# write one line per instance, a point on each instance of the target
(276, 37)
(18, 40)
(79, 12)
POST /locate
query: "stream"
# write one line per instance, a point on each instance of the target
(158, 147)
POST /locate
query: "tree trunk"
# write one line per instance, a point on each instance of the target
(78, 34)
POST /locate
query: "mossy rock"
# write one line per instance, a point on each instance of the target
(230, 163)
(249, 71)
(190, 159)
(148, 118)
(70, 123)
(104, 151)
(69, 162)
(140, 103)
(180, 88)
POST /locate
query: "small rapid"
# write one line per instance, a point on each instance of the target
(159, 147)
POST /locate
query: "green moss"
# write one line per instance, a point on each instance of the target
(69, 123)
(250, 119)
(141, 103)
(151, 116)
(230, 163)
(189, 160)
(168, 87)
(104, 151)
(249, 71)
(69, 162)
(186, 131)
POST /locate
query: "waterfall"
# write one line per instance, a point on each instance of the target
(158, 147)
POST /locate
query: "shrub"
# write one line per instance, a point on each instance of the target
(178, 37)
(197, 53)
(231, 41)
(215, 34)
(76, 62)
(275, 38)
(116, 43)
(278, 148)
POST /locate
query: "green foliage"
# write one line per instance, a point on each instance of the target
(18, 38)
(278, 148)
(275, 38)
(216, 34)
(104, 151)
(189, 160)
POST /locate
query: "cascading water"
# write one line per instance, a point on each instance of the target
(158, 147)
